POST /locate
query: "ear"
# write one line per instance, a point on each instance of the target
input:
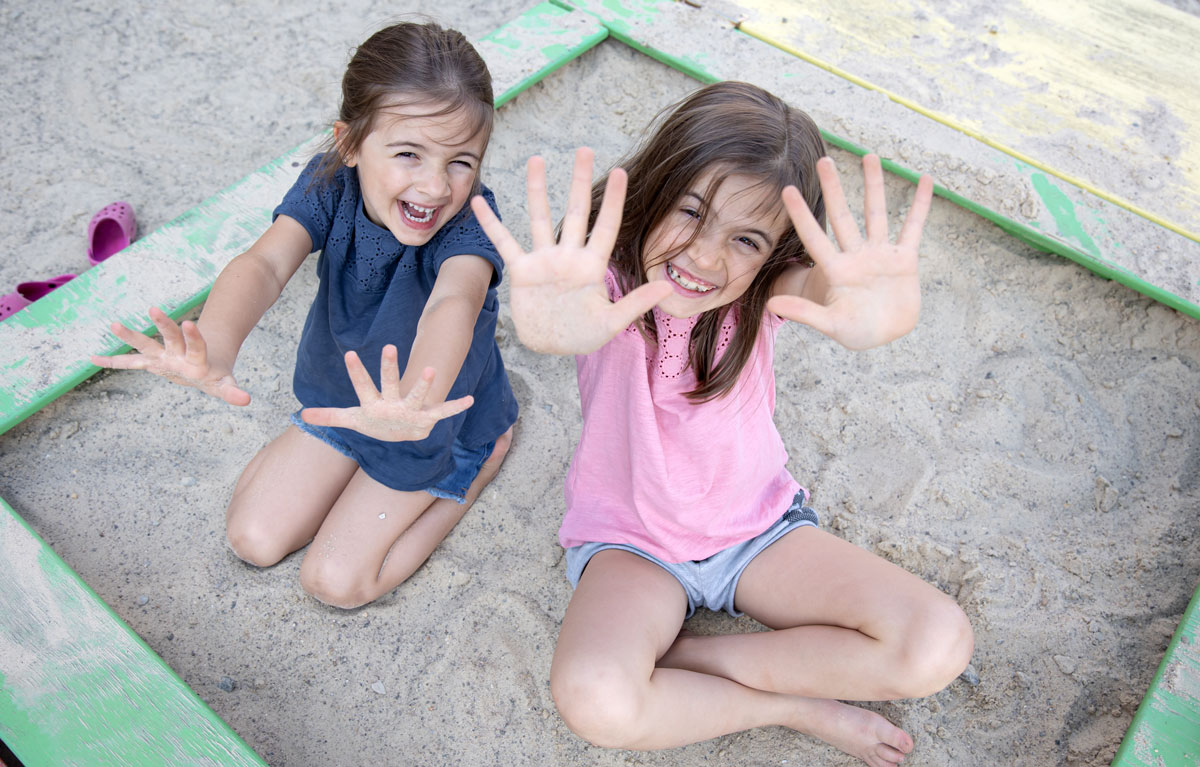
(340, 129)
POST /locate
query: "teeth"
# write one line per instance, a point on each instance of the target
(418, 213)
(674, 274)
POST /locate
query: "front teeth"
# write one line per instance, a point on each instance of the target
(674, 274)
(422, 214)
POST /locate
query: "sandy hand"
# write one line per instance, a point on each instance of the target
(385, 413)
(867, 293)
(559, 302)
(182, 358)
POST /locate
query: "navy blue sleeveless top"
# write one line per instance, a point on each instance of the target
(372, 292)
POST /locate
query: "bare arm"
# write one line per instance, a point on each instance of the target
(248, 286)
(407, 407)
(202, 354)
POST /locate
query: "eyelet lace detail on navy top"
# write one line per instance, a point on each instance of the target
(372, 292)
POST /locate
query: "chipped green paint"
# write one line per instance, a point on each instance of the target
(1166, 727)
(1063, 210)
(81, 687)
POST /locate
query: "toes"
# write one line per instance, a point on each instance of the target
(894, 739)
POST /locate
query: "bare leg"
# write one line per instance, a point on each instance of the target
(850, 625)
(609, 690)
(374, 537)
(283, 496)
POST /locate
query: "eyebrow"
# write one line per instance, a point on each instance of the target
(415, 145)
(704, 204)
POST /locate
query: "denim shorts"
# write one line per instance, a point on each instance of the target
(467, 460)
(712, 582)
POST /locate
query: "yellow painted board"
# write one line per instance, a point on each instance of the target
(1105, 92)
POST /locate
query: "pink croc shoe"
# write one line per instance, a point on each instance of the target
(28, 292)
(110, 230)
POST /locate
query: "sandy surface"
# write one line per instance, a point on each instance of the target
(1033, 447)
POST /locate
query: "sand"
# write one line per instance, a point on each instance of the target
(1032, 448)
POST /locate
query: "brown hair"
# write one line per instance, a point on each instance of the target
(729, 128)
(410, 64)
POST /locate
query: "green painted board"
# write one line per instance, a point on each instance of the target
(1165, 731)
(79, 687)
(1042, 210)
(44, 349)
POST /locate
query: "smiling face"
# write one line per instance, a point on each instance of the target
(416, 172)
(731, 236)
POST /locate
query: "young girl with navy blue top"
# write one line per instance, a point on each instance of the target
(374, 475)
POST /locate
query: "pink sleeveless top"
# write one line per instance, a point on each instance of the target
(678, 480)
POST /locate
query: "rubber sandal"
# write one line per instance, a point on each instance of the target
(28, 292)
(110, 230)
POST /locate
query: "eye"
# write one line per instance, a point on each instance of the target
(748, 241)
(690, 212)
(465, 163)
(408, 155)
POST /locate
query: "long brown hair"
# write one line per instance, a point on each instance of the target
(410, 64)
(730, 128)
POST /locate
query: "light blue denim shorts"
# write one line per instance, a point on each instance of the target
(712, 582)
(467, 460)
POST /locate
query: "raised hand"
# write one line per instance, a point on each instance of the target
(867, 293)
(557, 294)
(385, 413)
(182, 358)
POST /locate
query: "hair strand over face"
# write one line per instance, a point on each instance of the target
(729, 128)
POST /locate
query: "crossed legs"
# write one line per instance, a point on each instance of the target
(848, 625)
(366, 538)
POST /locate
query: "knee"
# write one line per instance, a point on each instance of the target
(332, 583)
(254, 542)
(601, 705)
(935, 649)
(499, 450)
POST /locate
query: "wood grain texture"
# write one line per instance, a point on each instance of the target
(1104, 92)
(78, 686)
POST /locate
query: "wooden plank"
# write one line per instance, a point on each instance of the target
(1039, 208)
(1103, 92)
(44, 348)
(79, 687)
(1166, 728)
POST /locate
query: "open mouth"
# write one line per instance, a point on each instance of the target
(417, 215)
(687, 281)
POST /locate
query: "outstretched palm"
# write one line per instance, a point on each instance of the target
(867, 293)
(181, 358)
(559, 301)
(385, 413)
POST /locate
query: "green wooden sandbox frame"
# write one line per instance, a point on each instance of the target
(78, 686)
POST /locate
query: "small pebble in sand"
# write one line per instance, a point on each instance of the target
(377, 686)
(1065, 664)
(970, 675)
(143, 599)
(188, 481)
(227, 684)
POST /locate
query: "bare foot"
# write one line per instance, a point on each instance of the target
(858, 732)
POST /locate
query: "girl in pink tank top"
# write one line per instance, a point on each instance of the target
(668, 280)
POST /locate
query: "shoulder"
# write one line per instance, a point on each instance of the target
(318, 184)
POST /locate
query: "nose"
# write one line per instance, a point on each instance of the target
(433, 183)
(705, 253)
